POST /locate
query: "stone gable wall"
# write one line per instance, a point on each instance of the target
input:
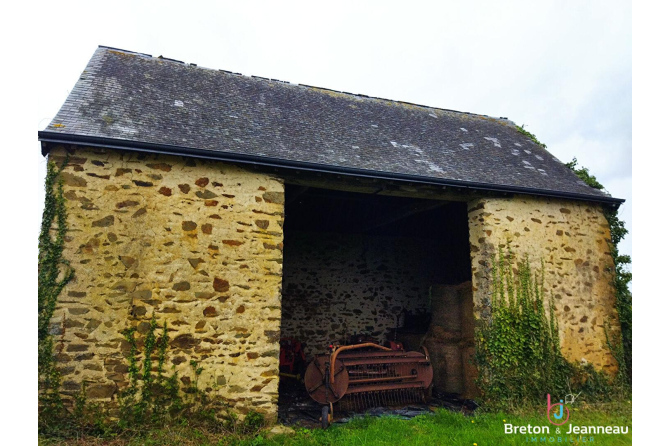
(197, 244)
(572, 238)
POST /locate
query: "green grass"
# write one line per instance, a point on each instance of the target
(441, 428)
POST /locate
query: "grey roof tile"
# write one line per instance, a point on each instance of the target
(134, 97)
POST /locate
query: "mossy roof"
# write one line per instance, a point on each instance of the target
(131, 100)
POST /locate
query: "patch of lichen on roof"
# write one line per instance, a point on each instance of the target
(389, 102)
(336, 94)
(122, 53)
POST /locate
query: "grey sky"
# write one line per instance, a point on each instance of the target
(564, 69)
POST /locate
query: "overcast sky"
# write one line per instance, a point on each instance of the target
(561, 68)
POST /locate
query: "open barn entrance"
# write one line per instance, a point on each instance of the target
(377, 268)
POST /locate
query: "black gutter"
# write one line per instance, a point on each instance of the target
(166, 149)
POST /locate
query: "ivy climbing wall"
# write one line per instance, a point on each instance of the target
(572, 238)
(196, 243)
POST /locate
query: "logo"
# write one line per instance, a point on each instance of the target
(560, 418)
(558, 415)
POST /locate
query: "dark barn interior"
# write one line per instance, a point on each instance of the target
(372, 267)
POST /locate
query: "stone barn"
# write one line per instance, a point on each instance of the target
(242, 210)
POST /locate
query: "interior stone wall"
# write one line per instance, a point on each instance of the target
(196, 243)
(337, 285)
(572, 238)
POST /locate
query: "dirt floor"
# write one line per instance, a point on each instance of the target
(297, 409)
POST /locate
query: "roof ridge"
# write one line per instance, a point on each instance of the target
(503, 120)
(124, 51)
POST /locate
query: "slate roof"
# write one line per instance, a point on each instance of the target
(131, 100)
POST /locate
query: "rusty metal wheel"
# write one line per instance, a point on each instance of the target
(316, 380)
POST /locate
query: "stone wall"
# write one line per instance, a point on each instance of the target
(197, 244)
(572, 239)
(337, 285)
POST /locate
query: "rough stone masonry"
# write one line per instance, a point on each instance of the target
(197, 244)
(572, 238)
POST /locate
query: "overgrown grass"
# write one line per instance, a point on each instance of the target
(441, 428)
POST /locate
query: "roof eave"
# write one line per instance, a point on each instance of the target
(166, 149)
